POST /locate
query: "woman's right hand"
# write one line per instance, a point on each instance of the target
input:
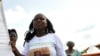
(12, 45)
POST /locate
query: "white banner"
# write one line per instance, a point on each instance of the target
(5, 48)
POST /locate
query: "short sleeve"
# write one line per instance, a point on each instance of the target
(59, 47)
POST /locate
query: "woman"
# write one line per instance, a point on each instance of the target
(13, 38)
(41, 36)
(70, 51)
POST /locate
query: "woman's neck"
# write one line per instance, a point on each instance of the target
(40, 33)
(70, 49)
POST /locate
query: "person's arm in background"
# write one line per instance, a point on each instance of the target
(59, 47)
(14, 49)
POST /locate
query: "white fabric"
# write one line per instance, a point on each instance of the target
(19, 48)
(49, 41)
(5, 48)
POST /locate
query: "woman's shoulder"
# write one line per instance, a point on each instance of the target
(76, 51)
(52, 34)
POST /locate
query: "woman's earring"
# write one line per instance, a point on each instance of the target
(32, 31)
(47, 30)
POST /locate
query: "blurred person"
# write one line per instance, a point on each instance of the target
(41, 34)
(70, 51)
(13, 38)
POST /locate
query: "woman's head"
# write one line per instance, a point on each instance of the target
(70, 44)
(39, 22)
(13, 35)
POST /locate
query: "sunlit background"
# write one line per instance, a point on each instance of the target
(75, 20)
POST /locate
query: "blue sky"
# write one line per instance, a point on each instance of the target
(76, 20)
(36, 4)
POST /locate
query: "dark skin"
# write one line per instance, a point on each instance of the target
(70, 47)
(40, 24)
(13, 38)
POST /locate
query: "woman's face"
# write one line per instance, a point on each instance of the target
(39, 22)
(70, 44)
(13, 36)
